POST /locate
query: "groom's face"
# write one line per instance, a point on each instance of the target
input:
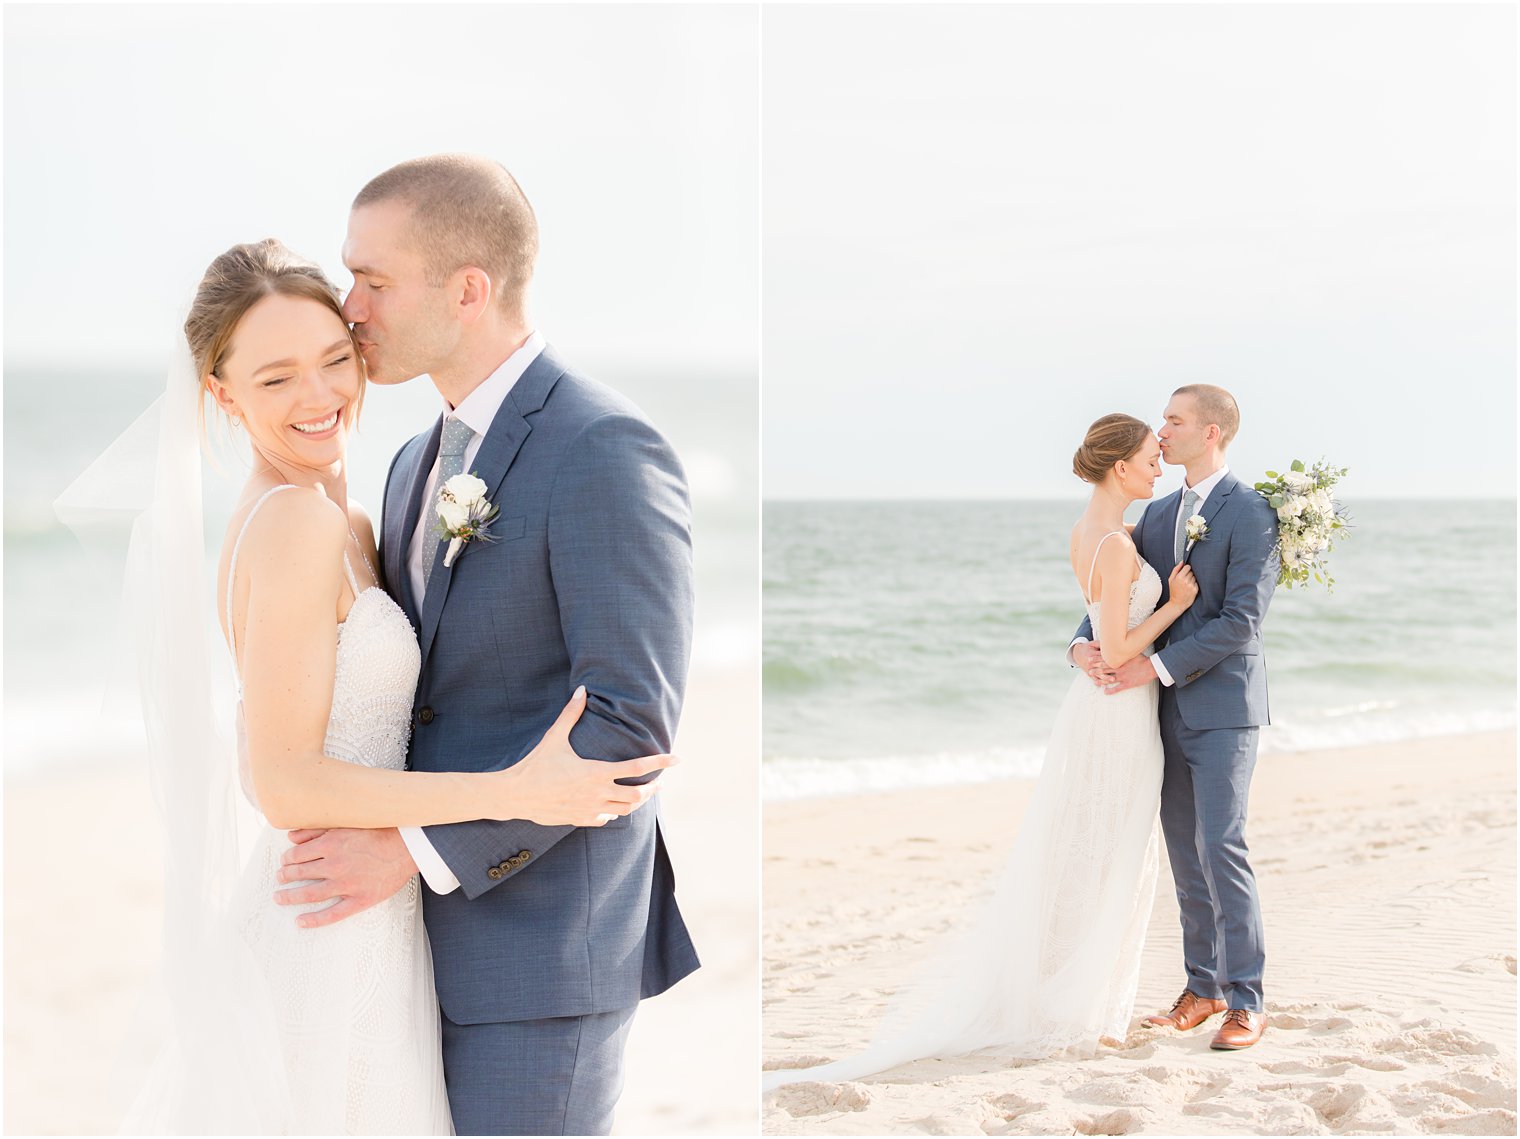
(1181, 433)
(403, 324)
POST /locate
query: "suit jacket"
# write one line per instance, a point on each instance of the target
(1213, 652)
(588, 581)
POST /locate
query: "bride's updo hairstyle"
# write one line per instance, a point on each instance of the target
(240, 279)
(1109, 440)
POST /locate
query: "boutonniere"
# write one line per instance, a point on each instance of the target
(464, 514)
(1197, 530)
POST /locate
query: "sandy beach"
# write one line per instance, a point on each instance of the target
(82, 905)
(1387, 877)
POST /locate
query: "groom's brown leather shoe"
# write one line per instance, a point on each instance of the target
(1188, 1011)
(1240, 1029)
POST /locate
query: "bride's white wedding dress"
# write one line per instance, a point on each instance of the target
(1053, 962)
(353, 1003)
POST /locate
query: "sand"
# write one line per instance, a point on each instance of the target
(1387, 877)
(82, 907)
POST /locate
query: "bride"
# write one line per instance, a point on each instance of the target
(282, 1028)
(1053, 962)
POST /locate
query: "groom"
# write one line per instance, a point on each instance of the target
(1213, 704)
(544, 938)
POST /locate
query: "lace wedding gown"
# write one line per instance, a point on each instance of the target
(352, 1004)
(1052, 964)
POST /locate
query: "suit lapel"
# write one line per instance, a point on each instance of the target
(1216, 501)
(399, 543)
(1158, 530)
(497, 450)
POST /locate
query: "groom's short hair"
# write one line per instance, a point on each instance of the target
(1217, 406)
(466, 210)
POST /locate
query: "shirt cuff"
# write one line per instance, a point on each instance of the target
(1069, 658)
(1161, 673)
(430, 864)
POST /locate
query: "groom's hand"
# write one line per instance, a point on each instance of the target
(357, 867)
(1132, 674)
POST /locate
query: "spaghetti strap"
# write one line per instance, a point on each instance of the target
(1090, 568)
(232, 573)
(348, 569)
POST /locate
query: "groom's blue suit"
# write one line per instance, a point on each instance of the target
(557, 932)
(1210, 719)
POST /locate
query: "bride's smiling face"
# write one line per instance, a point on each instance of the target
(1137, 474)
(292, 377)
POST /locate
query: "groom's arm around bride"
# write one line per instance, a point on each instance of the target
(617, 548)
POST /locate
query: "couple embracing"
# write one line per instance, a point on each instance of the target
(398, 692)
(1161, 722)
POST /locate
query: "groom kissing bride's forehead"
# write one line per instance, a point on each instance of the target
(573, 570)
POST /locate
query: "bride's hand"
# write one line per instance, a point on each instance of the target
(552, 785)
(1183, 586)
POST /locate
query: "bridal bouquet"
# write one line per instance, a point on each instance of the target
(1308, 520)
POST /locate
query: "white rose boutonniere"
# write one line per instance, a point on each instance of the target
(1197, 530)
(464, 514)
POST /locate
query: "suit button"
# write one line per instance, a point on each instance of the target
(494, 872)
(523, 855)
(425, 716)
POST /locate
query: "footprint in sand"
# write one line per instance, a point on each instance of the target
(1474, 1090)
(1434, 1045)
(1491, 963)
(1121, 1122)
(822, 1098)
(787, 1063)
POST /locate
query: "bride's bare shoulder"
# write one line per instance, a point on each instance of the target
(294, 524)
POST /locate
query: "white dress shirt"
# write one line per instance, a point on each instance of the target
(1202, 490)
(476, 411)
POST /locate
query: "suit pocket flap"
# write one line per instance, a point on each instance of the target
(505, 529)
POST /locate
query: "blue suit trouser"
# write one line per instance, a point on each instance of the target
(556, 1076)
(1204, 793)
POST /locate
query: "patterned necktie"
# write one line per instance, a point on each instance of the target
(456, 437)
(1189, 501)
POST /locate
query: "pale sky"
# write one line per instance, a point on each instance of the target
(987, 226)
(142, 140)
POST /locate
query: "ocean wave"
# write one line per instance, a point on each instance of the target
(786, 778)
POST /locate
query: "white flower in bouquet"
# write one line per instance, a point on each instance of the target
(1308, 518)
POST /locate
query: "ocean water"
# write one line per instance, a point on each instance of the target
(920, 643)
(60, 608)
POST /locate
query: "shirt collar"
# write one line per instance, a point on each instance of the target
(478, 410)
(1206, 487)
